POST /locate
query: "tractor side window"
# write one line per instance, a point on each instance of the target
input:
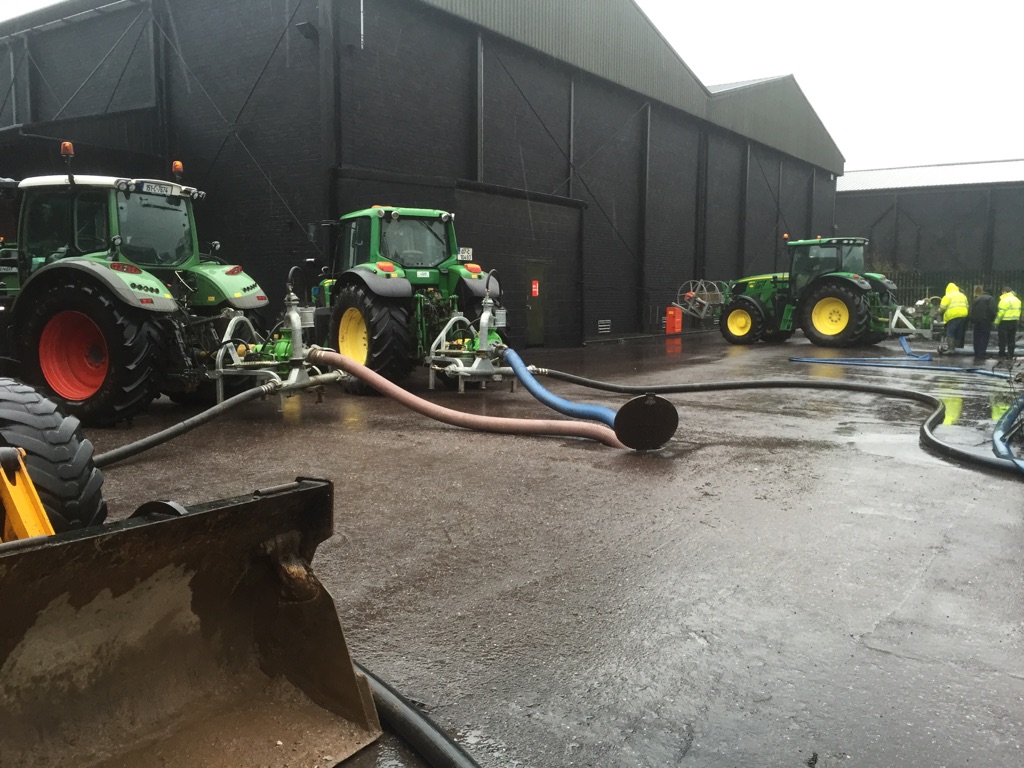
(355, 244)
(47, 226)
(91, 230)
(800, 271)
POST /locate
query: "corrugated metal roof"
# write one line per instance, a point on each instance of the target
(776, 113)
(742, 84)
(955, 175)
(615, 40)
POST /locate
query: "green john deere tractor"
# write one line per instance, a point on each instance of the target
(400, 292)
(105, 298)
(826, 292)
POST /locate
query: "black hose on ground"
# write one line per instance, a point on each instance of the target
(151, 441)
(416, 729)
(928, 438)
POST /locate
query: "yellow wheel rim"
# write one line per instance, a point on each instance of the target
(830, 316)
(353, 340)
(739, 322)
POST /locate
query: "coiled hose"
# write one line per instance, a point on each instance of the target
(927, 436)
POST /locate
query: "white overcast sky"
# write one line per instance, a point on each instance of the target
(896, 82)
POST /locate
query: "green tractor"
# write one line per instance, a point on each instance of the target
(399, 292)
(826, 292)
(105, 298)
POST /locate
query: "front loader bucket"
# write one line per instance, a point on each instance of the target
(194, 639)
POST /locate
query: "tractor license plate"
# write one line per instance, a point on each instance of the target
(156, 189)
(465, 254)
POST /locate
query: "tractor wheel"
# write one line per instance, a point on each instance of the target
(742, 322)
(834, 315)
(58, 460)
(101, 360)
(373, 331)
(776, 337)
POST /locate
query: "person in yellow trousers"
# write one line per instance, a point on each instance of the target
(1007, 317)
(954, 314)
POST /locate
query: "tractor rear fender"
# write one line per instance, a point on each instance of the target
(140, 291)
(376, 282)
(217, 283)
(760, 306)
(859, 283)
(476, 285)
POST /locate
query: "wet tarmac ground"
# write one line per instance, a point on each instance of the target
(791, 581)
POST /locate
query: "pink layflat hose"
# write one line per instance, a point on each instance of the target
(508, 426)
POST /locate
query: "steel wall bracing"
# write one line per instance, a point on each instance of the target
(939, 229)
(310, 108)
(725, 199)
(608, 136)
(671, 224)
(762, 227)
(244, 116)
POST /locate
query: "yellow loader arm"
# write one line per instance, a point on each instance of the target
(22, 515)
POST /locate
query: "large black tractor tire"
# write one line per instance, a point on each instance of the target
(742, 322)
(834, 315)
(58, 460)
(373, 331)
(102, 361)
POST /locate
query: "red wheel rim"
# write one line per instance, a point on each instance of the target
(73, 355)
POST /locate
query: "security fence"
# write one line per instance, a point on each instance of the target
(914, 285)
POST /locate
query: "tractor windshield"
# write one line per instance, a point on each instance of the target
(414, 242)
(155, 229)
(812, 261)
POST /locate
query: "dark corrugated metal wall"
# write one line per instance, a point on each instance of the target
(936, 229)
(670, 242)
(724, 213)
(1008, 229)
(609, 139)
(427, 103)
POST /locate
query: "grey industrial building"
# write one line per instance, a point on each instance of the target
(582, 157)
(928, 225)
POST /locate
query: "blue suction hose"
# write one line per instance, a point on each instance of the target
(645, 423)
(1004, 429)
(560, 404)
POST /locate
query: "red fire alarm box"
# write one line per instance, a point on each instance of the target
(535, 288)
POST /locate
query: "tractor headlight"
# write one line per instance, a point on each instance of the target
(394, 216)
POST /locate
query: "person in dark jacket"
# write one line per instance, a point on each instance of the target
(983, 313)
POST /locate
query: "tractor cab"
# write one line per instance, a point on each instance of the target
(810, 259)
(411, 238)
(145, 222)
